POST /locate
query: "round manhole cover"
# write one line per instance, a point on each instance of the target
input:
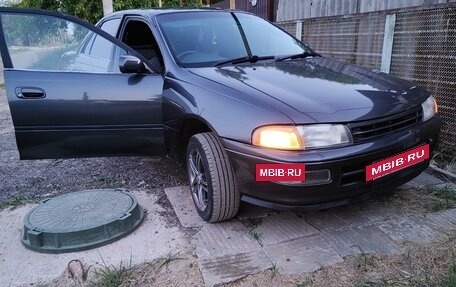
(81, 220)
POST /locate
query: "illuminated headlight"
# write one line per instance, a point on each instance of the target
(301, 137)
(429, 108)
(325, 135)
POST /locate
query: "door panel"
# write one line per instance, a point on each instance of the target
(67, 96)
(86, 115)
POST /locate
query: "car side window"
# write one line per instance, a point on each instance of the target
(111, 26)
(101, 48)
(138, 35)
(45, 42)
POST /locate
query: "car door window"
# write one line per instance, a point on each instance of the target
(101, 48)
(138, 35)
(45, 42)
(111, 26)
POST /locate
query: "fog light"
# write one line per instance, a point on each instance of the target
(313, 177)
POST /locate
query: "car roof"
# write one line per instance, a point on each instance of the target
(150, 13)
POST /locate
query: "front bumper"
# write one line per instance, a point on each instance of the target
(346, 164)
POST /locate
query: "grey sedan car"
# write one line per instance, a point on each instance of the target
(255, 114)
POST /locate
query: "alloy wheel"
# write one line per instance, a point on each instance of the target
(198, 181)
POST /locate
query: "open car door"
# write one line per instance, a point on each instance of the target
(76, 91)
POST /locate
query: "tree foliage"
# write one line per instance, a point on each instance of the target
(92, 11)
(23, 30)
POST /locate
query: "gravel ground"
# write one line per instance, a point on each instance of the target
(35, 179)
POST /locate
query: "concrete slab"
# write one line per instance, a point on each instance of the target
(445, 219)
(283, 227)
(425, 179)
(351, 215)
(325, 221)
(182, 202)
(411, 228)
(20, 266)
(302, 255)
(248, 211)
(408, 185)
(228, 268)
(353, 240)
(375, 212)
(222, 239)
(336, 219)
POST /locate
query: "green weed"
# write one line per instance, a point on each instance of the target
(274, 270)
(451, 280)
(169, 258)
(113, 276)
(445, 197)
(257, 237)
(13, 202)
(364, 260)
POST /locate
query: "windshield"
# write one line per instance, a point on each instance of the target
(201, 39)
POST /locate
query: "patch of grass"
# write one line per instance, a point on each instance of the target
(445, 197)
(146, 274)
(445, 158)
(257, 237)
(306, 283)
(275, 270)
(363, 259)
(170, 257)
(450, 281)
(2, 85)
(113, 276)
(106, 181)
(451, 166)
(14, 202)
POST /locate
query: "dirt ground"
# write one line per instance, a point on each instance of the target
(31, 181)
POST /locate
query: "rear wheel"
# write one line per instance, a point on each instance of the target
(211, 178)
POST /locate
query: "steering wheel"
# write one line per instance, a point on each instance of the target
(182, 55)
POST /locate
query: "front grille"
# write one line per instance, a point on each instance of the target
(354, 174)
(375, 128)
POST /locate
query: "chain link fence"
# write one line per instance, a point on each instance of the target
(349, 39)
(423, 51)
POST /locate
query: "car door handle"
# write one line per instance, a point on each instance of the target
(30, 93)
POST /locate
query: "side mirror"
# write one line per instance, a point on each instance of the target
(131, 65)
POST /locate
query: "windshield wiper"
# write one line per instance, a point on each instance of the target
(297, 56)
(245, 59)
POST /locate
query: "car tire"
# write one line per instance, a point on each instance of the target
(211, 178)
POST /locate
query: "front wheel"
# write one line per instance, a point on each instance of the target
(211, 178)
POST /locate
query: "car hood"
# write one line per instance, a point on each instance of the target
(322, 89)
